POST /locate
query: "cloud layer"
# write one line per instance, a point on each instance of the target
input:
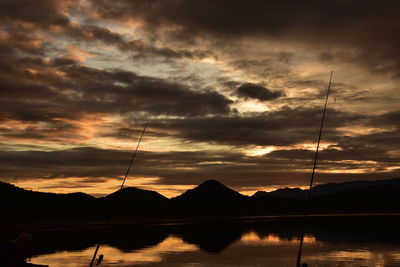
(233, 91)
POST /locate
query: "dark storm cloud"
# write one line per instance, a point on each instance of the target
(388, 119)
(23, 19)
(144, 50)
(176, 167)
(371, 27)
(45, 13)
(81, 90)
(280, 128)
(52, 131)
(267, 64)
(255, 91)
(80, 162)
(389, 140)
(45, 96)
(94, 33)
(10, 44)
(172, 167)
(125, 92)
(139, 48)
(284, 127)
(340, 156)
(93, 162)
(49, 92)
(374, 152)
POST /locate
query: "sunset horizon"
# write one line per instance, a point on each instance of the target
(199, 133)
(232, 92)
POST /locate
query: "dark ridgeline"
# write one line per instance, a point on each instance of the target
(210, 198)
(133, 202)
(283, 193)
(20, 205)
(325, 189)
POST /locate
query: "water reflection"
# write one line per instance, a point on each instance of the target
(357, 257)
(260, 243)
(254, 238)
(116, 257)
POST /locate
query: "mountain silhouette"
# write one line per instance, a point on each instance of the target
(330, 188)
(210, 196)
(133, 202)
(20, 204)
(133, 194)
(379, 198)
(283, 192)
(211, 190)
(13, 193)
(325, 189)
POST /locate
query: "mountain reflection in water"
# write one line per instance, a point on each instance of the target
(117, 257)
(337, 243)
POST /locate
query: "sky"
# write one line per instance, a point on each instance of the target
(233, 91)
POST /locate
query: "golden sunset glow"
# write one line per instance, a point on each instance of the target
(253, 237)
(239, 101)
(363, 257)
(260, 151)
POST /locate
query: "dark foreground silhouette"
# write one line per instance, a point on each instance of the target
(15, 252)
(211, 198)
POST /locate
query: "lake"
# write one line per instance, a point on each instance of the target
(329, 241)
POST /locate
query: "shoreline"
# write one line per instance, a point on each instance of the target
(105, 224)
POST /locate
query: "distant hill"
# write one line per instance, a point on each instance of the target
(296, 193)
(378, 199)
(20, 204)
(133, 194)
(325, 189)
(11, 192)
(133, 202)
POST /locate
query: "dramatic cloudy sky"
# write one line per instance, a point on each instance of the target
(233, 90)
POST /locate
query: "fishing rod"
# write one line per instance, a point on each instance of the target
(134, 153)
(298, 261)
(94, 258)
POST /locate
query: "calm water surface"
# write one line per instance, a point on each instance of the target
(345, 242)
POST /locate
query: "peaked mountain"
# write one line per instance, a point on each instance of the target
(211, 191)
(210, 196)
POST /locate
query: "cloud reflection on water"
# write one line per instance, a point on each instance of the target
(252, 249)
(116, 257)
